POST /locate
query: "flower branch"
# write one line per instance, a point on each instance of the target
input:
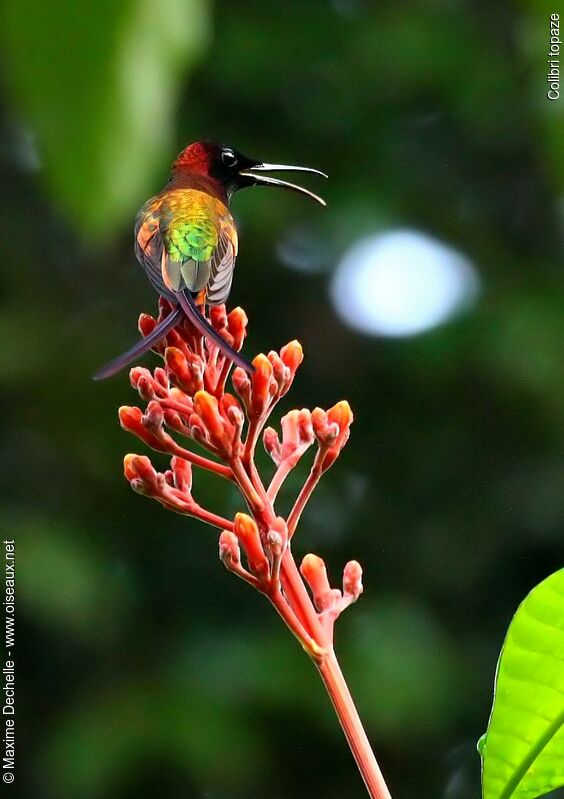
(188, 398)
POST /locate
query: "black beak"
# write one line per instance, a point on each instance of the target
(255, 172)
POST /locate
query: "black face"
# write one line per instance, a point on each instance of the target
(236, 171)
(226, 165)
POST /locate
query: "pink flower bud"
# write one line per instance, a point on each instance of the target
(277, 536)
(280, 371)
(161, 377)
(153, 417)
(272, 445)
(305, 427)
(242, 386)
(229, 552)
(352, 580)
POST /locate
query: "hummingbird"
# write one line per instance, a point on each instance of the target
(186, 240)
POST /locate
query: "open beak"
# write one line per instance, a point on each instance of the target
(262, 180)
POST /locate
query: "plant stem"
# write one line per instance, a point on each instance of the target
(303, 497)
(349, 719)
(301, 617)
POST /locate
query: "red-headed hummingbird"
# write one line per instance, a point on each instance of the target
(186, 240)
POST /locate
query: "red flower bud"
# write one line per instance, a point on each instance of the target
(237, 323)
(325, 433)
(248, 536)
(234, 416)
(141, 380)
(332, 430)
(132, 420)
(315, 574)
(341, 415)
(292, 355)
(146, 324)
(176, 362)
(218, 317)
(182, 471)
(206, 408)
(262, 385)
(280, 371)
(139, 471)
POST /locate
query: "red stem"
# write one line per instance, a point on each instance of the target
(280, 475)
(211, 518)
(349, 719)
(303, 497)
(301, 617)
(202, 462)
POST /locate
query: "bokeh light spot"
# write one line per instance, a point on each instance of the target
(401, 283)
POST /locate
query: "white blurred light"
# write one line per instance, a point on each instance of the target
(401, 283)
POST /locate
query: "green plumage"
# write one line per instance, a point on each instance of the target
(195, 240)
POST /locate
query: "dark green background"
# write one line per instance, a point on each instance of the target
(143, 667)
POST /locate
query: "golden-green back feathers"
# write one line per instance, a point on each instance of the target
(186, 239)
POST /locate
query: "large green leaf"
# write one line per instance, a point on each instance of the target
(523, 749)
(97, 80)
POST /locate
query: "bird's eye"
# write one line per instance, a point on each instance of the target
(229, 158)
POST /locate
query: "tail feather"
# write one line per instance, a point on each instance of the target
(115, 366)
(186, 302)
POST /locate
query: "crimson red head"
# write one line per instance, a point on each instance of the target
(197, 157)
(233, 169)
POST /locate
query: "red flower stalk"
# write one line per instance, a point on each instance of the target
(186, 401)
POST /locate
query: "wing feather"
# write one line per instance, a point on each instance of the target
(222, 266)
(149, 245)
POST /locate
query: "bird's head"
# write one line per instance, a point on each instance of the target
(235, 170)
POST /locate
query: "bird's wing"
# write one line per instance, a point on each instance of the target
(149, 243)
(222, 264)
(186, 239)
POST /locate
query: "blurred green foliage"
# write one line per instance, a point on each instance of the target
(143, 667)
(98, 80)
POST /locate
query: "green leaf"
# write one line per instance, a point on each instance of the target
(97, 80)
(523, 751)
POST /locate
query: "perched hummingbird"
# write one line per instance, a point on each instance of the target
(186, 240)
